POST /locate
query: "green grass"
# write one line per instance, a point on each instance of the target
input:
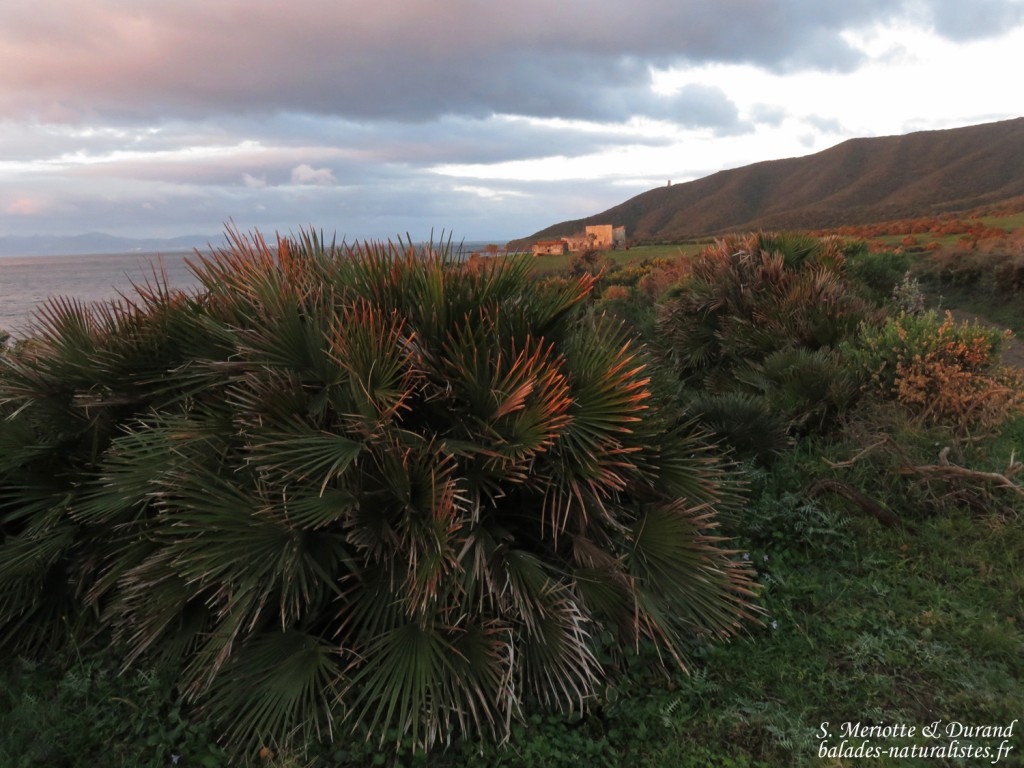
(635, 255)
(666, 251)
(82, 711)
(1004, 311)
(1008, 222)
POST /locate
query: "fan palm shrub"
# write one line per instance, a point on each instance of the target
(758, 321)
(370, 488)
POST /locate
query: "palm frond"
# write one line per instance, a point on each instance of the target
(686, 579)
(280, 687)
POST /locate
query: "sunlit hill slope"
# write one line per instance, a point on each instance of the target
(859, 181)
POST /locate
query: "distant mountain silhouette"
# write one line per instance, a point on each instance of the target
(99, 242)
(860, 181)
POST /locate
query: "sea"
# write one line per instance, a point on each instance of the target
(26, 282)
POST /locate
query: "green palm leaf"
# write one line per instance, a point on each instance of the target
(280, 688)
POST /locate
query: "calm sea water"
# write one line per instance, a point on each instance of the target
(28, 281)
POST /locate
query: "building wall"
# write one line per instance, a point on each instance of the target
(549, 248)
(598, 237)
(602, 236)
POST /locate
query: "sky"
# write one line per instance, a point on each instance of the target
(485, 119)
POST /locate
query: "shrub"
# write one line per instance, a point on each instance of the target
(358, 487)
(744, 422)
(943, 372)
(957, 268)
(908, 296)
(1009, 275)
(663, 274)
(875, 273)
(747, 298)
(761, 316)
(811, 388)
(615, 293)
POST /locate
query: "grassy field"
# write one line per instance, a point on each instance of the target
(634, 255)
(1008, 222)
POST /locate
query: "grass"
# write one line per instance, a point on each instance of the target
(81, 710)
(666, 251)
(1008, 222)
(1004, 311)
(551, 264)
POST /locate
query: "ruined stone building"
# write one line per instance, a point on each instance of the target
(598, 237)
(605, 237)
(550, 247)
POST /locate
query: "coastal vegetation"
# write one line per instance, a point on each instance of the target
(361, 492)
(379, 506)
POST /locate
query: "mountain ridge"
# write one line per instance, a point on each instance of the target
(860, 181)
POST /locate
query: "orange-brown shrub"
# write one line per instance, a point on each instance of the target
(942, 372)
(615, 293)
(943, 393)
(663, 275)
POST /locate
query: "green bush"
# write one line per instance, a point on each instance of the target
(747, 298)
(361, 489)
(875, 273)
(1008, 274)
(744, 422)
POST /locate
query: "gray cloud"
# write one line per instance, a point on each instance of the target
(270, 144)
(824, 124)
(960, 20)
(368, 200)
(700, 106)
(170, 117)
(306, 175)
(415, 61)
(449, 139)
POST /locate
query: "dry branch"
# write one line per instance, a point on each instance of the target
(944, 470)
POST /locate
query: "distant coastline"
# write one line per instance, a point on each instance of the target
(99, 243)
(27, 280)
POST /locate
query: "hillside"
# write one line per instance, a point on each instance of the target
(856, 182)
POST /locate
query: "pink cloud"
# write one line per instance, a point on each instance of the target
(24, 206)
(391, 58)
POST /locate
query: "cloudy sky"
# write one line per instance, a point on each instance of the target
(487, 118)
